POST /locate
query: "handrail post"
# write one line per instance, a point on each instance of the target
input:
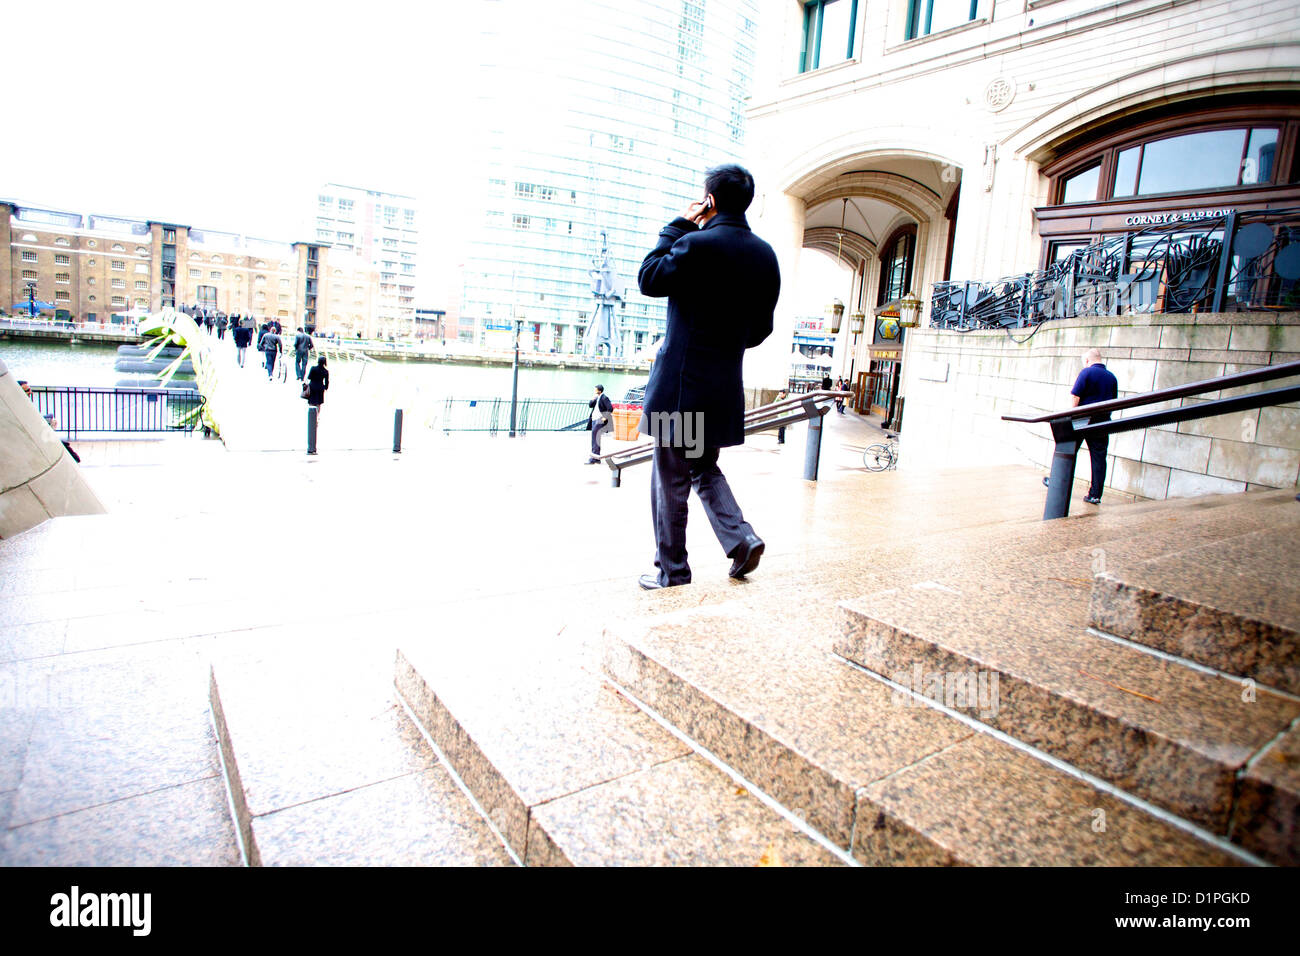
(1225, 263)
(812, 449)
(1060, 482)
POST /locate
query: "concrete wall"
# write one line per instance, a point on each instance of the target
(38, 479)
(957, 387)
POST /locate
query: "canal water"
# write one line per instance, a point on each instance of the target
(61, 363)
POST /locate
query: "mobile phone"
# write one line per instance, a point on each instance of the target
(708, 203)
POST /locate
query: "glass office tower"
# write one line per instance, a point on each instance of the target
(599, 120)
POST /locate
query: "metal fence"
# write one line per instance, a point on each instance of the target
(493, 415)
(1230, 262)
(80, 410)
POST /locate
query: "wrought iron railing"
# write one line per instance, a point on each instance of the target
(493, 415)
(1178, 266)
(77, 410)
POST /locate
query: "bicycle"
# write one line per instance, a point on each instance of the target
(282, 367)
(882, 457)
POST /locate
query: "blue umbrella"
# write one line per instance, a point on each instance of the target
(24, 305)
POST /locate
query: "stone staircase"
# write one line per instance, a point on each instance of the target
(1116, 688)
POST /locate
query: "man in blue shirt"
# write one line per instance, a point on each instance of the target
(1095, 383)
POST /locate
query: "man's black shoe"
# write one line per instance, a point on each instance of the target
(746, 557)
(592, 461)
(1091, 500)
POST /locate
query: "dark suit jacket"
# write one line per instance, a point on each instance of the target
(722, 283)
(606, 406)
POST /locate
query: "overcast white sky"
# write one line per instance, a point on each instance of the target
(229, 115)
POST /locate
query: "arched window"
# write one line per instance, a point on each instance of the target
(896, 260)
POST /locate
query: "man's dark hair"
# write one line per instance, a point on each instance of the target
(732, 187)
(600, 388)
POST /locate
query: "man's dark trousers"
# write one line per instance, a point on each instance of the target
(1097, 452)
(596, 432)
(671, 480)
(300, 364)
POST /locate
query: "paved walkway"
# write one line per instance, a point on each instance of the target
(109, 624)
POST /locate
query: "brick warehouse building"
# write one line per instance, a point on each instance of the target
(91, 267)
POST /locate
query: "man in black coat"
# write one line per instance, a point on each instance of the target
(601, 411)
(722, 284)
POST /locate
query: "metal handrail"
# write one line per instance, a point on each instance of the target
(1068, 436)
(808, 406)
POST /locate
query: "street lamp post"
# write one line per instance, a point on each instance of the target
(514, 387)
(31, 299)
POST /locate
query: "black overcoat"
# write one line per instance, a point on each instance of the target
(722, 283)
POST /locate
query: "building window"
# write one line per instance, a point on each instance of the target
(519, 222)
(91, 243)
(142, 287)
(828, 28)
(62, 259)
(196, 273)
(63, 278)
(118, 265)
(118, 247)
(119, 300)
(90, 281)
(90, 262)
(214, 275)
(933, 16)
(345, 207)
(119, 283)
(1170, 158)
(169, 235)
(409, 217)
(896, 265)
(30, 275)
(141, 251)
(62, 296)
(29, 255)
(60, 241)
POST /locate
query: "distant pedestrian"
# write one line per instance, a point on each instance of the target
(221, 327)
(826, 383)
(318, 380)
(243, 336)
(602, 410)
(840, 386)
(271, 345)
(1095, 383)
(302, 346)
(781, 396)
(210, 322)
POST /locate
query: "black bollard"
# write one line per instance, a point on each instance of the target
(397, 432)
(312, 412)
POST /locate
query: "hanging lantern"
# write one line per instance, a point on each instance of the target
(909, 311)
(857, 322)
(835, 315)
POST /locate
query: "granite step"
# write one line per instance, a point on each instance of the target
(881, 775)
(339, 776)
(1266, 819)
(571, 773)
(1165, 732)
(1231, 604)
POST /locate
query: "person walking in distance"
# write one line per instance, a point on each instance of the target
(1095, 383)
(242, 335)
(781, 396)
(272, 346)
(722, 284)
(601, 410)
(302, 346)
(318, 380)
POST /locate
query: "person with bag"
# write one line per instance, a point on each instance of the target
(602, 409)
(313, 389)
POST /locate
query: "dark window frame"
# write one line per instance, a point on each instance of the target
(1107, 149)
(906, 232)
(813, 10)
(913, 21)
